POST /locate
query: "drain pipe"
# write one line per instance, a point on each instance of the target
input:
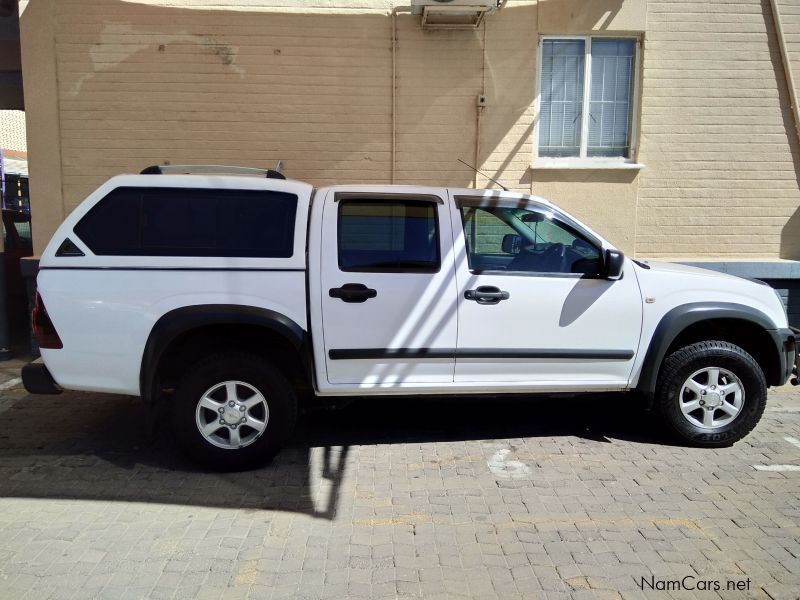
(394, 91)
(481, 104)
(787, 68)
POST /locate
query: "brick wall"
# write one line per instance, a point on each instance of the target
(142, 85)
(310, 82)
(717, 135)
(789, 291)
(148, 84)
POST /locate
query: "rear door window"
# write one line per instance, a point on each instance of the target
(388, 236)
(137, 221)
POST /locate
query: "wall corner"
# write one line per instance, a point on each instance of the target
(40, 80)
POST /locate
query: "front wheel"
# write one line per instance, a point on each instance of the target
(233, 411)
(711, 394)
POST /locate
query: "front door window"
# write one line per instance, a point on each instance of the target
(522, 240)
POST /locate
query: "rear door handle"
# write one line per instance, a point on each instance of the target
(487, 294)
(353, 292)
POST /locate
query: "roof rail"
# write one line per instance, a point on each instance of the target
(161, 169)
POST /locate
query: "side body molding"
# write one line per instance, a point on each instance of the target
(678, 319)
(181, 320)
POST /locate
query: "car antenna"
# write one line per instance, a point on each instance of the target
(505, 189)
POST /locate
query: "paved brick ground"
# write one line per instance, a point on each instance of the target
(569, 498)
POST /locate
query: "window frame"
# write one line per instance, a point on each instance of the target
(583, 161)
(381, 198)
(552, 215)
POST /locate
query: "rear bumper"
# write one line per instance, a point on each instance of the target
(37, 379)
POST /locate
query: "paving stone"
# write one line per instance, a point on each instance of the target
(92, 508)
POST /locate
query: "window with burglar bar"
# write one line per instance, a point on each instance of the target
(586, 97)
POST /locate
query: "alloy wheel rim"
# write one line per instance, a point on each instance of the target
(711, 398)
(232, 415)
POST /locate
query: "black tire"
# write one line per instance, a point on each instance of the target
(254, 371)
(682, 363)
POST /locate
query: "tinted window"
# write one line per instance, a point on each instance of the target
(191, 222)
(377, 235)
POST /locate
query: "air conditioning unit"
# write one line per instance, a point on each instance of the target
(453, 14)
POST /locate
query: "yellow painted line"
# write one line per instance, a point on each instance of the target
(413, 519)
(632, 522)
(248, 573)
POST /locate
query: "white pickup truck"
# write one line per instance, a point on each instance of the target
(218, 297)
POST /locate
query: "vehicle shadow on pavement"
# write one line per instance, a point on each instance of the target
(382, 420)
(83, 446)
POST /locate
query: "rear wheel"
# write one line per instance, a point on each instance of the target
(711, 393)
(233, 411)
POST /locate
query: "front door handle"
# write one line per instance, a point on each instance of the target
(487, 294)
(353, 292)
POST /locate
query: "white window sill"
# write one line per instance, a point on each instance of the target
(584, 163)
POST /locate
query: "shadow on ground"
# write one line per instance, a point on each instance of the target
(78, 446)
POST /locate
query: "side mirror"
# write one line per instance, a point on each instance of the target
(512, 244)
(612, 264)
